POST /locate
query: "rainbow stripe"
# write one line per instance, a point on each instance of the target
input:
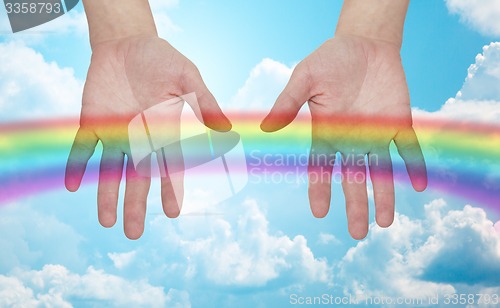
(463, 159)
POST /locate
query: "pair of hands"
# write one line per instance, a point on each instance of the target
(347, 79)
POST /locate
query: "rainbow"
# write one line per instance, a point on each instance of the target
(463, 158)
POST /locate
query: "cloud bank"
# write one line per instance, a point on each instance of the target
(482, 15)
(262, 87)
(243, 252)
(419, 258)
(33, 88)
(56, 286)
(479, 98)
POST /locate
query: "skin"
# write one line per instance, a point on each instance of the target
(355, 77)
(358, 97)
(130, 71)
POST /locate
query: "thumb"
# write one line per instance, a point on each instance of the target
(288, 104)
(206, 107)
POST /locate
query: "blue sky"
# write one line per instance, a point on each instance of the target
(265, 245)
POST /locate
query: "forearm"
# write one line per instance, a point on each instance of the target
(115, 19)
(376, 19)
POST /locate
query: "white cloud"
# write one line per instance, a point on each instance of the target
(422, 257)
(30, 87)
(483, 76)
(481, 15)
(242, 253)
(479, 98)
(466, 111)
(164, 24)
(122, 260)
(14, 293)
(474, 115)
(31, 237)
(327, 239)
(263, 86)
(55, 285)
(475, 258)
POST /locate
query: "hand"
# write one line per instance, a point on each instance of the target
(359, 103)
(127, 76)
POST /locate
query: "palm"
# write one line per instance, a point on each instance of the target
(362, 79)
(359, 103)
(125, 78)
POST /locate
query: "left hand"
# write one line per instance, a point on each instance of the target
(359, 103)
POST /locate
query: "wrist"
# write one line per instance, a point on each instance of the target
(381, 20)
(117, 19)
